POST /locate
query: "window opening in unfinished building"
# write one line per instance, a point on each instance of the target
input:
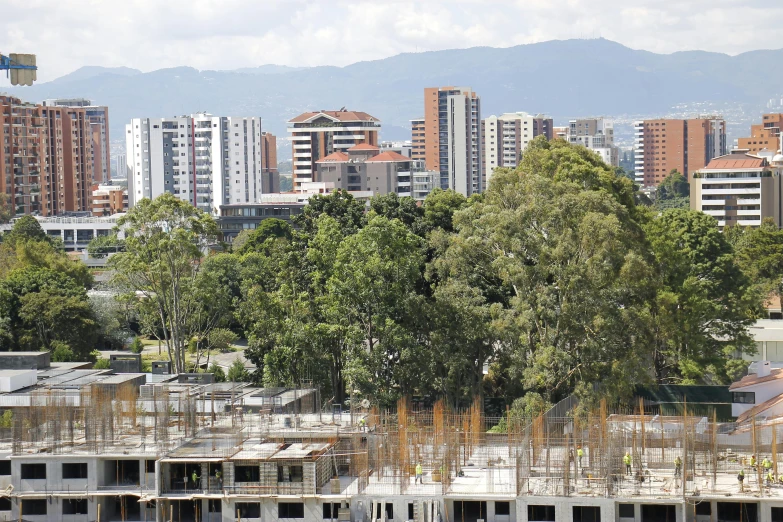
(247, 474)
(150, 466)
(289, 473)
(32, 506)
(5, 467)
(737, 512)
(389, 511)
(122, 472)
(290, 510)
(74, 470)
(502, 508)
(331, 510)
(777, 514)
(247, 510)
(705, 509)
(5, 504)
(587, 514)
(215, 505)
(410, 510)
(540, 513)
(627, 511)
(469, 510)
(658, 513)
(33, 471)
(74, 506)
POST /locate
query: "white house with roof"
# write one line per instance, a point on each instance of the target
(758, 394)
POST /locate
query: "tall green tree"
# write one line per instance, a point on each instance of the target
(705, 303)
(166, 241)
(673, 192)
(340, 205)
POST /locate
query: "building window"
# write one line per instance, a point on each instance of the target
(5, 467)
(33, 471)
(248, 510)
(330, 510)
(75, 470)
(74, 506)
(290, 510)
(34, 506)
(247, 474)
(502, 508)
(743, 397)
(541, 513)
(627, 510)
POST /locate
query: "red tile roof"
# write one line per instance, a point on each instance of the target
(737, 161)
(334, 157)
(364, 146)
(389, 155)
(753, 379)
(336, 115)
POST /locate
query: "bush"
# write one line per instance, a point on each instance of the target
(61, 352)
(237, 372)
(217, 371)
(137, 346)
(101, 364)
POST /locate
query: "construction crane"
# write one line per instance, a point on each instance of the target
(20, 67)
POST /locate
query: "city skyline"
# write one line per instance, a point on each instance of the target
(240, 33)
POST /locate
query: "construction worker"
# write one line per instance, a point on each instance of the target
(780, 479)
(579, 454)
(418, 474)
(219, 477)
(195, 479)
(766, 464)
(752, 461)
(677, 466)
(627, 462)
(741, 480)
(770, 478)
(362, 424)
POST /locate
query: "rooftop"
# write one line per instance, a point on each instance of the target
(341, 116)
(737, 161)
(388, 156)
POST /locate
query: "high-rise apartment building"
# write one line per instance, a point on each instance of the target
(98, 117)
(740, 189)
(596, 134)
(453, 143)
(46, 158)
(203, 159)
(315, 135)
(506, 137)
(764, 135)
(270, 177)
(23, 151)
(121, 166)
(418, 139)
(67, 185)
(685, 145)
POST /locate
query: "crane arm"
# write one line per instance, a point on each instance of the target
(20, 67)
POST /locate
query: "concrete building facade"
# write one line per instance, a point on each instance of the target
(121, 166)
(739, 189)
(453, 143)
(315, 135)
(203, 159)
(365, 168)
(418, 140)
(23, 153)
(270, 181)
(663, 145)
(108, 200)
(507, 136)
(763, 136)
(596, 134)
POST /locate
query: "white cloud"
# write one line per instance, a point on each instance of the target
(226, 34)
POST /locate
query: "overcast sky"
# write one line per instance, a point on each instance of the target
(226, 34)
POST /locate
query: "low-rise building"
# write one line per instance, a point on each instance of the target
(596, 134)
(109, 199)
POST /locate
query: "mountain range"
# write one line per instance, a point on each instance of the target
(565, 79)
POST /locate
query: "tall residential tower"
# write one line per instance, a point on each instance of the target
(506, 137)
(203, 159)
(453, 142)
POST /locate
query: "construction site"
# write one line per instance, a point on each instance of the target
(92, 445)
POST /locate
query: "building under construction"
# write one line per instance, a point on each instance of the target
(86, 445)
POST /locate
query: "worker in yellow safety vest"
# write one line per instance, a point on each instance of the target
(627, 462)
(418, 474)
(579, 454)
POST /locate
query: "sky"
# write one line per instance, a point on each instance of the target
(228, 34)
